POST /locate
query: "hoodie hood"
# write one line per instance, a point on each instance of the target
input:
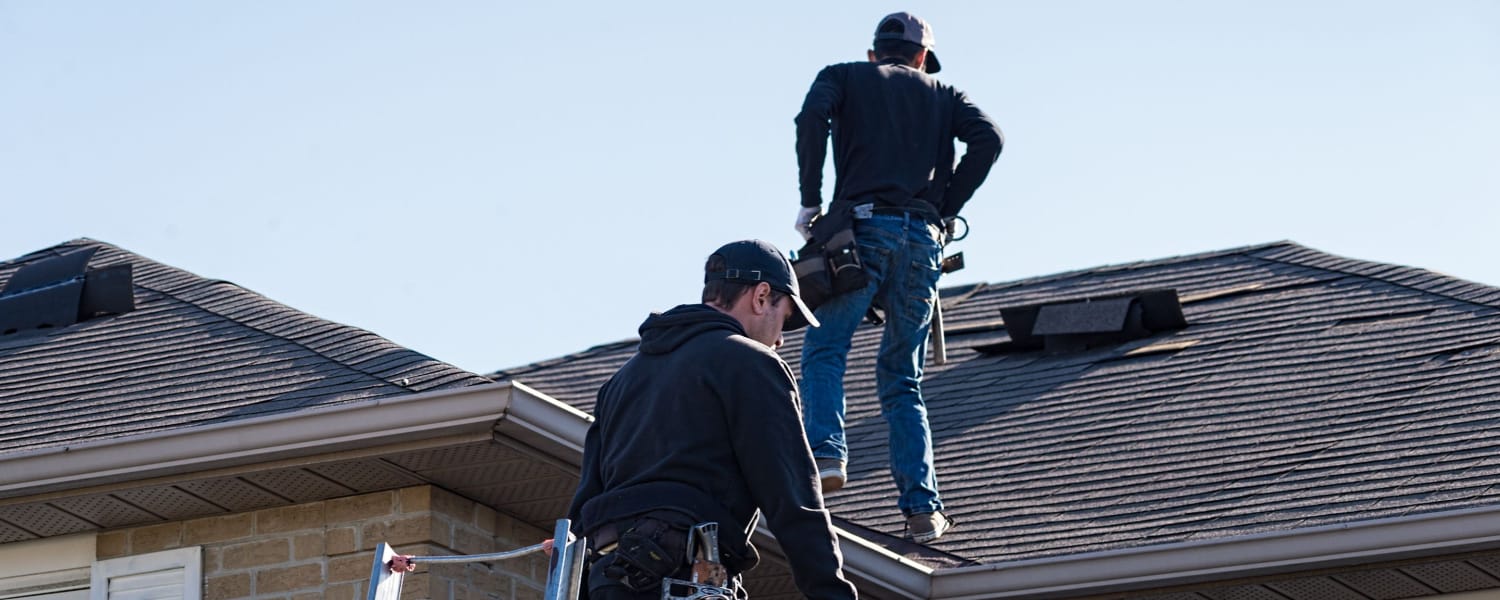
(664, 332)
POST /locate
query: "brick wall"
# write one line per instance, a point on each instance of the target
(325, 549)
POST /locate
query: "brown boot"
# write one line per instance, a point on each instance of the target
(832, 474)
(926, 527)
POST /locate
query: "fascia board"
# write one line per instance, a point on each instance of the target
(1150, 567)
(545, 423)
(871, 564)
(877, 572)
(473, 409)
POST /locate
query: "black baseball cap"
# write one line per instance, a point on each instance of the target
(753, 261)
(910, 28)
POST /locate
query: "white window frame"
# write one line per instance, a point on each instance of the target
(47, 569)
(189, 560)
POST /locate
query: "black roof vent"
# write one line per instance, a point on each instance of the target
(61, 290)
(1077, 325)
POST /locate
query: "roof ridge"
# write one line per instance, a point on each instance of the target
(1414, 278)
(1148, 263)
(512, 372)
(967, 288)
(205, 283)
(197, 282)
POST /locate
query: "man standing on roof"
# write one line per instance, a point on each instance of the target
(704, 424)
(893, 129)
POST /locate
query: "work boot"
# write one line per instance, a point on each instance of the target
(831, 474)
(925, 527)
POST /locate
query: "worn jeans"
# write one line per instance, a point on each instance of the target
(902, 256)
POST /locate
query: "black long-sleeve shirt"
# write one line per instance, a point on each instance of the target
(893, 129)
(707, 421)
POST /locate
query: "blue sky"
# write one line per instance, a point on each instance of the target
(494, 185)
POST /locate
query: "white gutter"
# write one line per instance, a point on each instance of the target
(877, 572)
(532, 418)
(542, 422)
(361, 424)
(1149, 567)
(871, 565)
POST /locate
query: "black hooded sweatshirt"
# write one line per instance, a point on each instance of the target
(707, 421)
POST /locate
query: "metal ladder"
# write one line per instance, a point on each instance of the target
(563, 572)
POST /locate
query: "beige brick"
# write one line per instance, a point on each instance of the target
(489, 579)
(453, 505)
(469, 541)
(344, 591)
(341, 540)
(290, 518)
(307, 545)
(416, 499)
(257, 554)
(286, 579)
(111, 544)
(415, 586)
(530, 567)
(442, 531)
(526, 531)
(155, 537)
(219, 529)
(226, 587)
(526, 592)
(351, 568)
(413, 529)
(359, 508)
(446, 574)
(484, 518)
(506, 531)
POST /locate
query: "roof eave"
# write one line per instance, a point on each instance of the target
(1259, 555)
(365, 424)
(871, 565)
(544, 423)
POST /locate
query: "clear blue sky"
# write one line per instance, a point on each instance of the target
(498, 183)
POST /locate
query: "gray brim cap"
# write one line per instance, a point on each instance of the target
(913, 29)
(753, 261)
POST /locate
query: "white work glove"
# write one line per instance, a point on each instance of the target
(804, 220)
(950, 226)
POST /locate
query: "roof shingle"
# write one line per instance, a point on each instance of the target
(1317, 390)
(194, 352)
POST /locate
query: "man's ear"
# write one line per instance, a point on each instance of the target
(921, 59)
(871, 55)
(762, 298)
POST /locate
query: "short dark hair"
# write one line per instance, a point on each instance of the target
(725, 292)
(902, 49)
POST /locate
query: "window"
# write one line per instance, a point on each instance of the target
(168, 575)
(47, 569)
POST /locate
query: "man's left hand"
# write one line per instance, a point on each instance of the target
(804, 220)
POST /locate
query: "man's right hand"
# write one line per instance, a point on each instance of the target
(804, 220)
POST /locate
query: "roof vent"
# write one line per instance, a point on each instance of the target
(1077, 325)
(60, 291)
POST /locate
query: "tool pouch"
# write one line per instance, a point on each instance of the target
(649, 551)
(813, 281)
(845, 271)
(829, 264)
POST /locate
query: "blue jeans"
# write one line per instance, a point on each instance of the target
(901, 254)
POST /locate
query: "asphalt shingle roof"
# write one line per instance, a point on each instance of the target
(195, 351)
(1306, 390)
